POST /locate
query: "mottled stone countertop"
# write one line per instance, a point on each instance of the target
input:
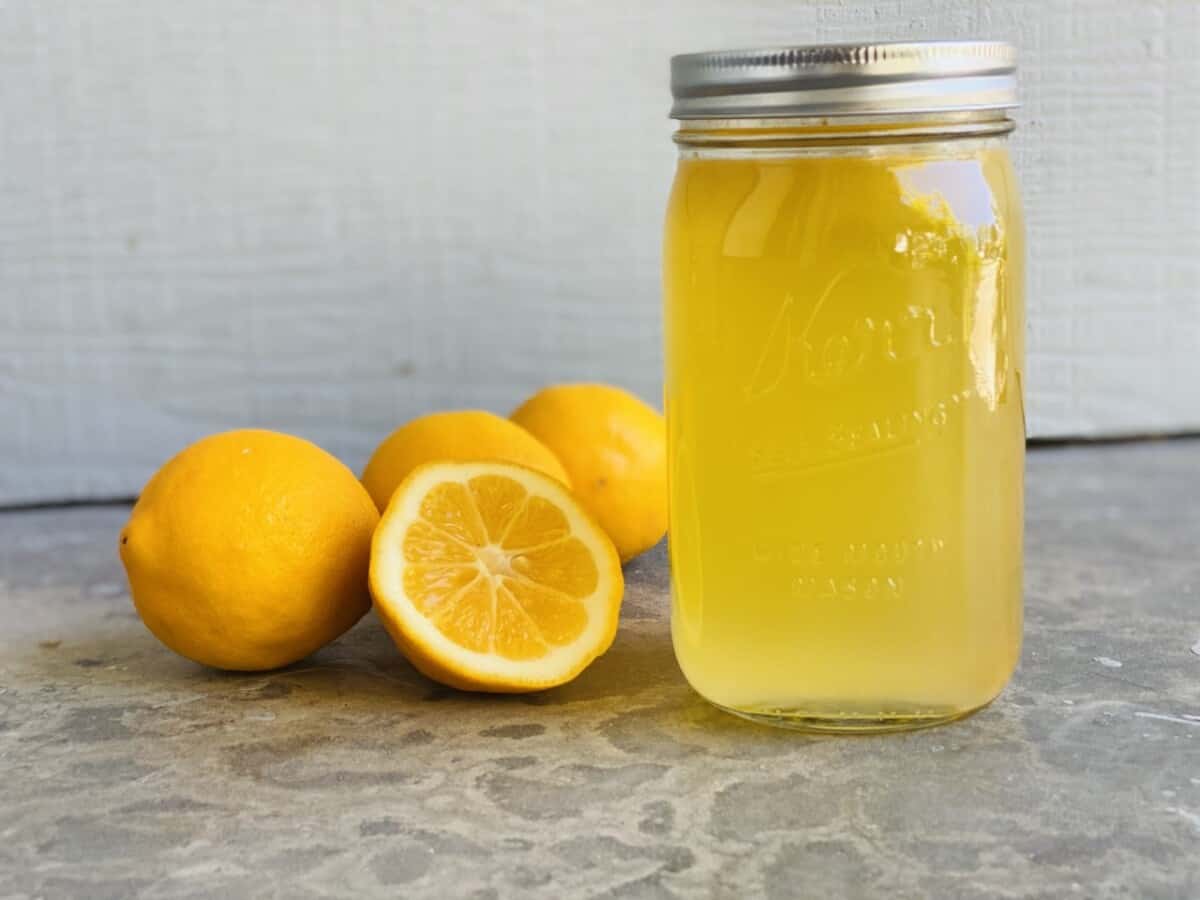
(126, 771)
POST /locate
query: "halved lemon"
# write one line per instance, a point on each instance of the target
(491, 577)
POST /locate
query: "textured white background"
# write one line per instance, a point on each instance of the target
(327, 216)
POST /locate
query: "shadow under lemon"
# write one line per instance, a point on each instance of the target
(364, 663)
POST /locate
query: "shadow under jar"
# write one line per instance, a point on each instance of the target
(844, 319)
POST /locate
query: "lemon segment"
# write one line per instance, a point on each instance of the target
(491, 576)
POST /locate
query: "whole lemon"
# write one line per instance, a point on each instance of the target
(468, 435)
(249, 550)
(614, 448)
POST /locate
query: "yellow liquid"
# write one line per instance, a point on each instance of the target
(845, 353)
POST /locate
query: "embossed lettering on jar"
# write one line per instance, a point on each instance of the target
(844, 355)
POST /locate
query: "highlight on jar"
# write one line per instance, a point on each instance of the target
(844, 318)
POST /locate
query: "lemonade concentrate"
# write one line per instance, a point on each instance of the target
(844, 364)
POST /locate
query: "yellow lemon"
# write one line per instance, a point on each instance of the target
(249, 550)
(491, 577)
(468, 435)
(614, 448)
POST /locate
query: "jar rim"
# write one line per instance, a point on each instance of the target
(859, 130)
(853, 79)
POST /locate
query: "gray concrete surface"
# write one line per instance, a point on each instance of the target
(126, 771)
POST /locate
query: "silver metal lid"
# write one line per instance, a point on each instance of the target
(844, 80)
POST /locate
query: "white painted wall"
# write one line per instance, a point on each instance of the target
(328, 216)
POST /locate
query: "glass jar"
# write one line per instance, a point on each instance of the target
(844, 320)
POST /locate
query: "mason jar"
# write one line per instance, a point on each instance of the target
(844, 326)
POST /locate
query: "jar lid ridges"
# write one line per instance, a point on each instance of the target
(845, 79)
